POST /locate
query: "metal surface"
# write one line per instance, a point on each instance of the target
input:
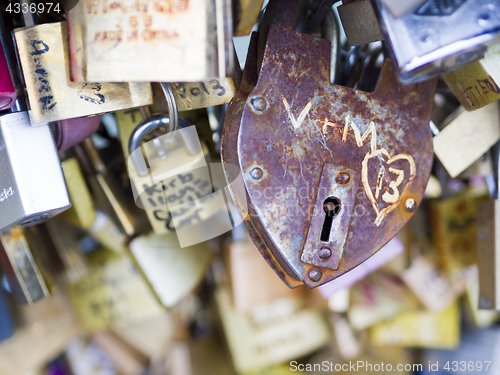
(230, 163)
(467, 137)
(327, 233)
(476, 85)
(137, 136)
(246, 14)
(108, 192)
(82, 213)
(7, 91)
(399, 8)
(360, 23)
(11, 62)
(192, 38)
(32, 182)
(172, 271)
(173, 111)
(309, 122)
(439, 37)
(204, 94)
(146, 127)
(21, 270)
(488, 244)
(281, 13)
(43, 53)
(330, 30)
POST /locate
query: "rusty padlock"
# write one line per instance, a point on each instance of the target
(331, 173)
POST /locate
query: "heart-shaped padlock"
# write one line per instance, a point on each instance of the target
(331, 173)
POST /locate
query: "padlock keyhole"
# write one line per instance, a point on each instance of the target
(332, 209)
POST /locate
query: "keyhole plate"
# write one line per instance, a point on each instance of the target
(329, 231)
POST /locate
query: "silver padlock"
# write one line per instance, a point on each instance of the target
(439, 36)
(32, 185)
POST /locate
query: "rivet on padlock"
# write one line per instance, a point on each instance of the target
(230, 163)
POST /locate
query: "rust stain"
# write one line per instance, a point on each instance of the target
(384, 135)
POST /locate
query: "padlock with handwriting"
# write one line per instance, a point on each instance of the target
(331, 172)
(476, 85)
(176, 190)
(121, 42)
(44, 56)
(177, 183)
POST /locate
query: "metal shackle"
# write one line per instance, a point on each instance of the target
(173, 112)
(330, 31)
(147, 126)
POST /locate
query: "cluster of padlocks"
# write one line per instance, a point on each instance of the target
(329, 208)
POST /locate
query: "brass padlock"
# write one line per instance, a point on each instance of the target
(246, 14)
(124, 42)
(466, 137)
(23, 272)
(476, 85)
(488, 249)
(43, 52)
(204, 94)
(113, 293)
(171, 271)
(331, 173)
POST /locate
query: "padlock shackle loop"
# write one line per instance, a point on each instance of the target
(147, 126)
(137, 136)
(173, 111)
(330, 30)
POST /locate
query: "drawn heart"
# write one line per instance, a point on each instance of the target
(393, 198)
